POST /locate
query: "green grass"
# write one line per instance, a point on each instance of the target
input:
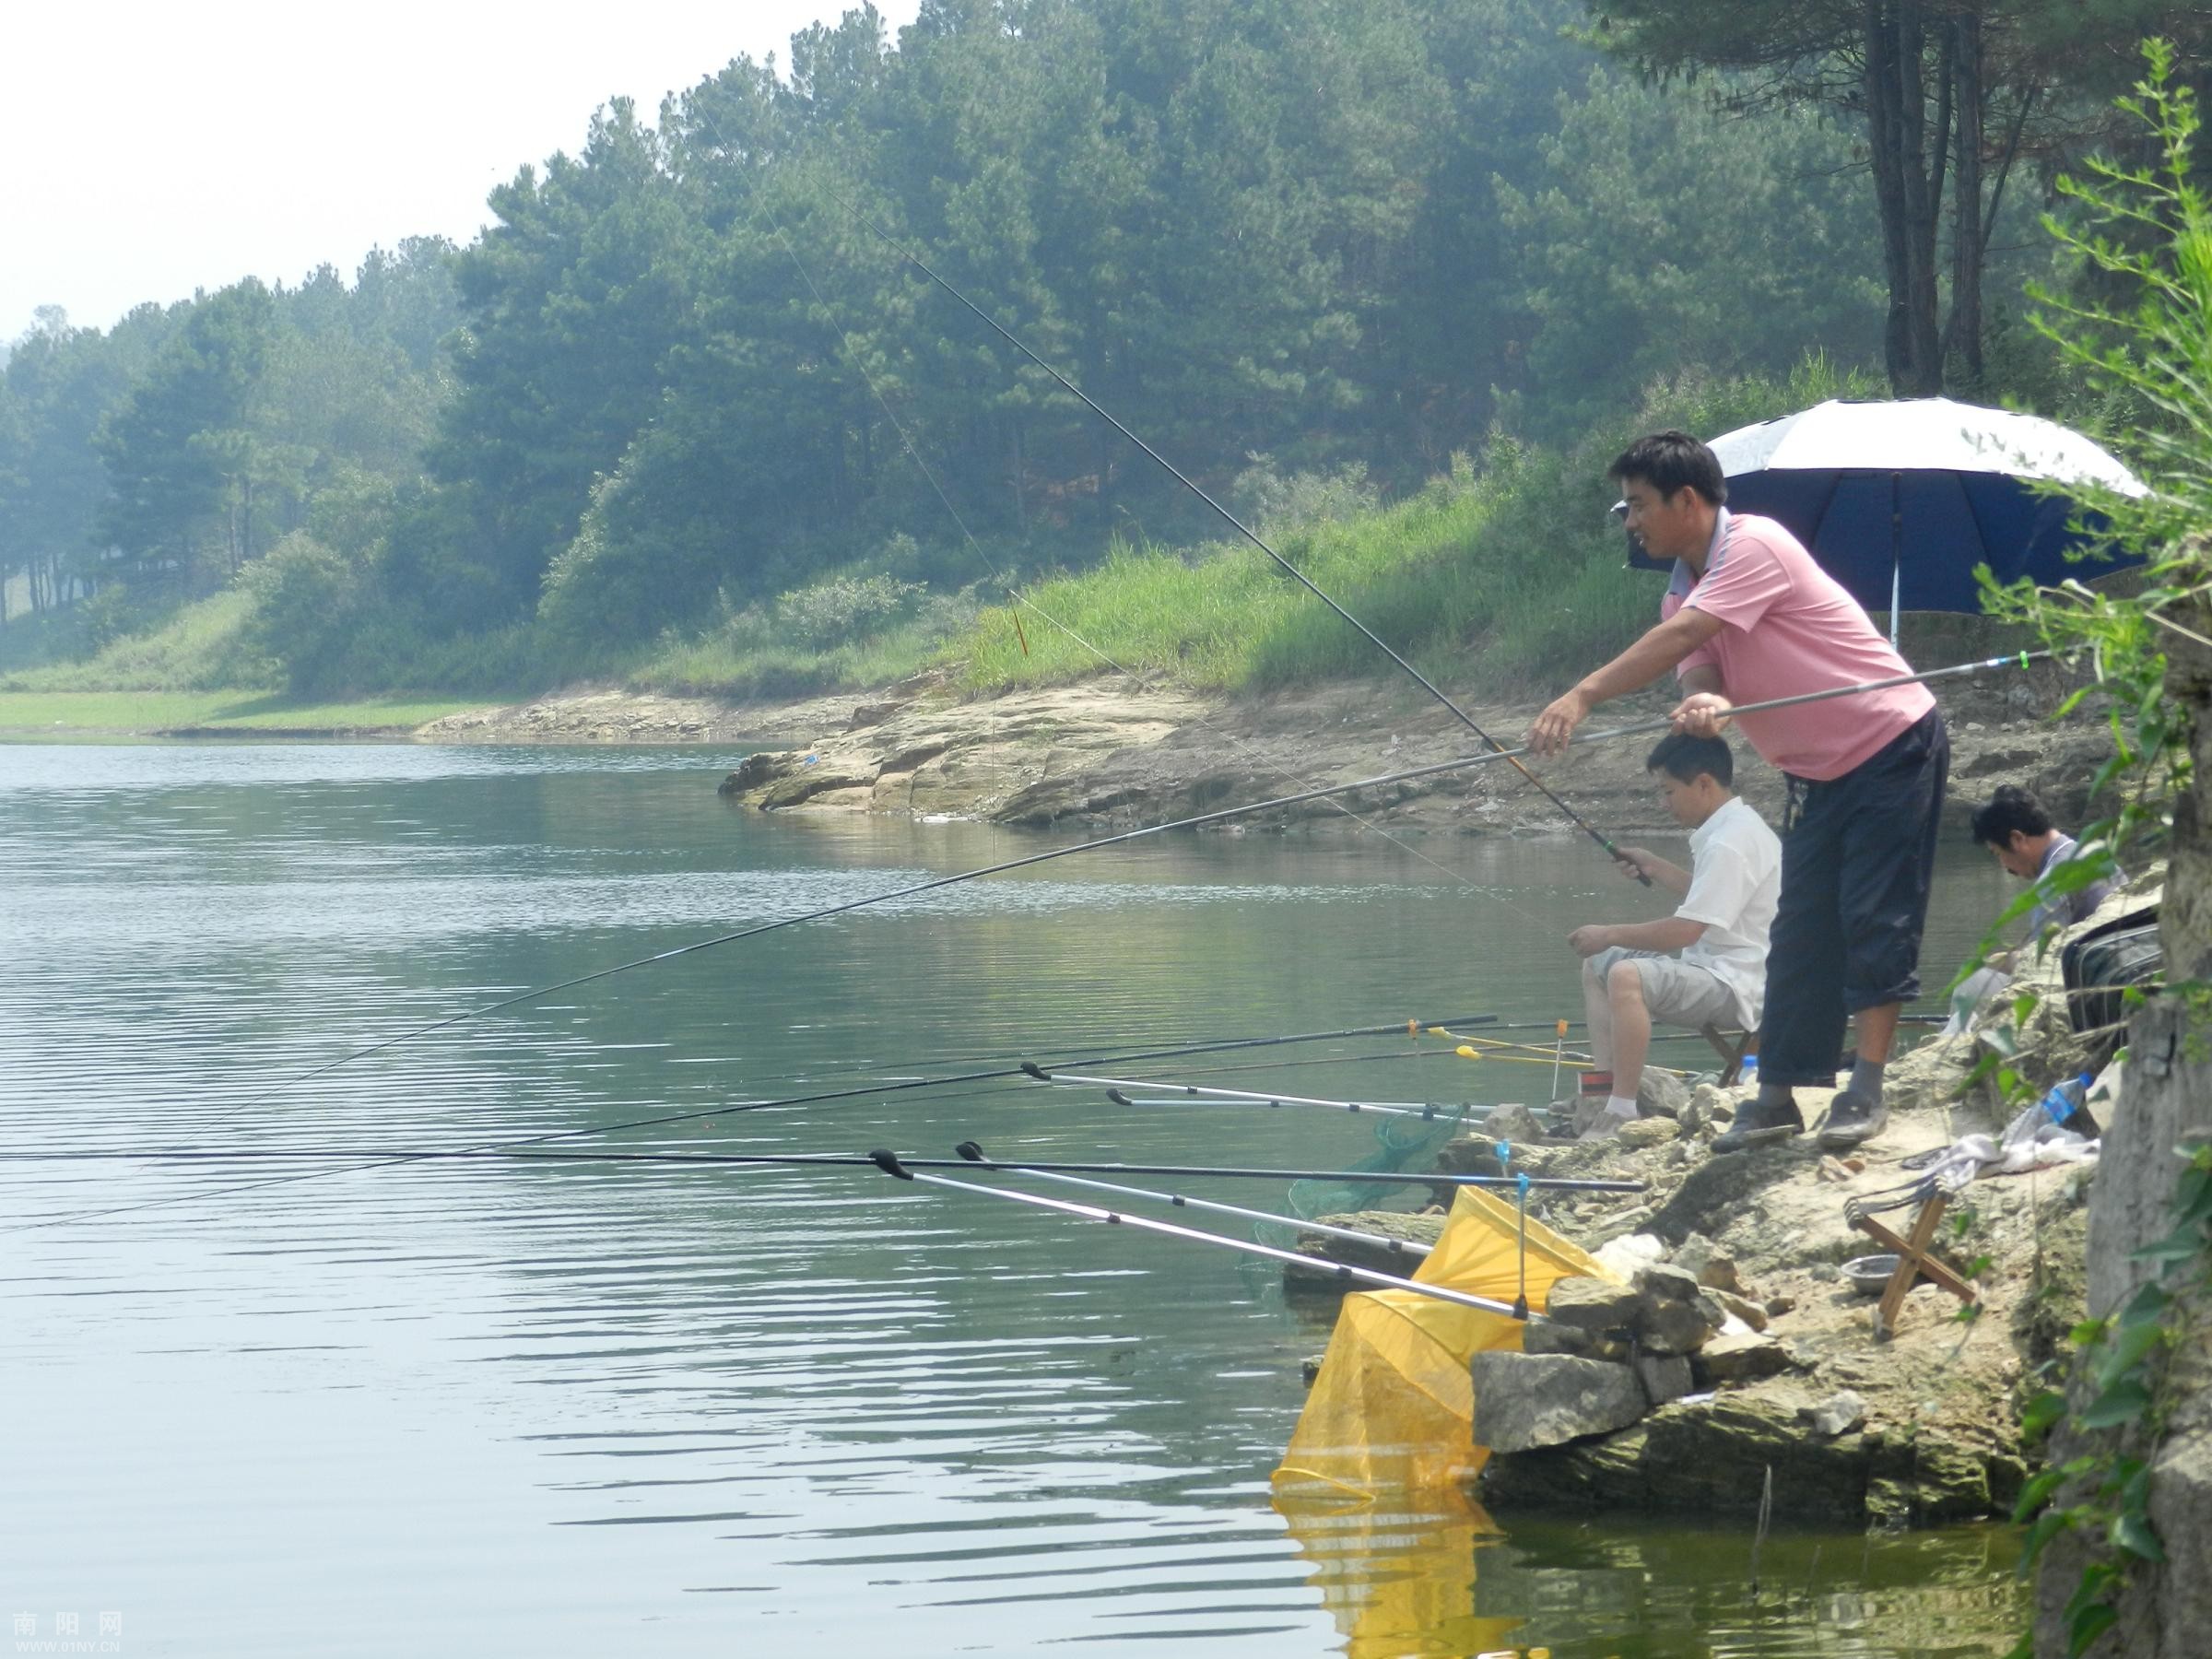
(1508, 578)
(68, 714)
(1472, 578)
(718, 664)
(200, 647)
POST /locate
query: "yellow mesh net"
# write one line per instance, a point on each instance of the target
(1393, 1410)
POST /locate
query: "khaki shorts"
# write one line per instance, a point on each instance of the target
(1674, 991)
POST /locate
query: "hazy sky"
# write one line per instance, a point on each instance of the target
(157, 148)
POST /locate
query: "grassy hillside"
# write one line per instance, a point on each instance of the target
(1505, 574)
(1509, 576)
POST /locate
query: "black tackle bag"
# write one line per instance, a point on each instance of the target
(2101, 966)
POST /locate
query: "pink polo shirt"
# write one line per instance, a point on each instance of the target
(1788, 627)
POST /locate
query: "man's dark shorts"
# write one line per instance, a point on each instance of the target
(1858, 853)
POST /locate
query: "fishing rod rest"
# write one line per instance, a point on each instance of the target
(884, 1159)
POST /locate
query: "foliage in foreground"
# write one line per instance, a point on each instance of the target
(2144, 233)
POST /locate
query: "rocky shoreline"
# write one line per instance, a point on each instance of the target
(1099, 753)
(1738, 1344)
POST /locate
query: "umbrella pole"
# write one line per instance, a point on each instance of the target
(1897, 549)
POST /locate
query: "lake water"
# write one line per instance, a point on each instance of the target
(567, 1408)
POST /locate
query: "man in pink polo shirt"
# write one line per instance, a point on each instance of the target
(1750, 617)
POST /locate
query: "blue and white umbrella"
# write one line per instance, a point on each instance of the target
(1900, 502)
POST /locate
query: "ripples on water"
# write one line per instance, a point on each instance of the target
(560, 1407)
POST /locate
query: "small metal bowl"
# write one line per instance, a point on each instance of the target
(1870, 1275)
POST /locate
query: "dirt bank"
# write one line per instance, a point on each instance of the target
(1099, 752)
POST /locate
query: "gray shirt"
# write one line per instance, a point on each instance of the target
(2065, 908)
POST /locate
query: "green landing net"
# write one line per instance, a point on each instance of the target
(1401, 1143)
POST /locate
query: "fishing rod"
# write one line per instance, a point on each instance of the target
(1184, 1202)
(805, 1160)
(732, 1108)
(1437, 769)
(1195, 821)
(891, 1164)
(1244, 530)
(1243, 1097)
(974, 1153)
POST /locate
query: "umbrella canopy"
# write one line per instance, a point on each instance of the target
(1900, 502)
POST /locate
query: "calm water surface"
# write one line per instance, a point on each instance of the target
(567, 1408)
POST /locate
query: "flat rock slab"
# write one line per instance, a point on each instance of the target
(1743, 1359)
(1710, 1458)
(1592, 1305)
(1525, 1401)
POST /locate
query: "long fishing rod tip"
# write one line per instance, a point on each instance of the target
(972, 1151)
(1029, 1068)
(884, 1159)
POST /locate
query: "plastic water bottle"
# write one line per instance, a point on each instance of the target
(1747, 1070)
(2068, 1106)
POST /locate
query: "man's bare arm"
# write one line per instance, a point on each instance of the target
(1671, 876)
(1669, 933)
(1660, 649)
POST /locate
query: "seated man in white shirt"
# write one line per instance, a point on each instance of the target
(1720, 928)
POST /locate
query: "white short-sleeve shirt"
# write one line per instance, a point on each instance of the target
(1735, 883)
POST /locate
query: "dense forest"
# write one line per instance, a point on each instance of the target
(689, 401)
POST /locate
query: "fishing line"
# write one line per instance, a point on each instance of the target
(1238, 526)
(1221, 815)
(664, 1118)
(1018, 599)
(832, 1160)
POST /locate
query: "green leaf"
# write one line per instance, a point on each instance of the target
(2183, 1244)
(2048, 1525)
(2135, 1487)
(2121, 1402)
(2134, 1342)
(2133, 1533)
(2040, 1412)
(2036, 1493)
(2149, 1301)
(2193, 1196)
(2089, 1624)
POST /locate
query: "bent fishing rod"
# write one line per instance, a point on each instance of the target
(1244, 530)
(1195, 821)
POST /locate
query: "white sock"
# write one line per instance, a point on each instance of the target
(1621, 1106)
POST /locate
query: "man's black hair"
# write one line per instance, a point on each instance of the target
(2010, 809)
(1683, 757)
(1669, 462)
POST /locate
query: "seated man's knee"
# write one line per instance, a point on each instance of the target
(1623, 980)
